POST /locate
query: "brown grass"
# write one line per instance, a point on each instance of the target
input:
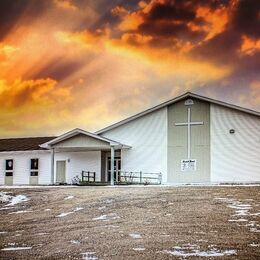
(164, 217)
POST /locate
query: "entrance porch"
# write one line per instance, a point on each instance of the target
(79, 151)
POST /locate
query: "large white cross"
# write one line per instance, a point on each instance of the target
(189, 124)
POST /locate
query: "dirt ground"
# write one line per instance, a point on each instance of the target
(133, 223)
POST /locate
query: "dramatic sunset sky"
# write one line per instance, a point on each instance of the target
(89, 63)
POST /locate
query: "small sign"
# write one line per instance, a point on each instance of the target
(188, 165)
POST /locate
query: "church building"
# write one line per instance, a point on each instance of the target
(189, 139)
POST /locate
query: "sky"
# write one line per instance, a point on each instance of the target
(89, 63)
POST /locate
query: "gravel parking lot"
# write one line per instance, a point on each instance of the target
(188, 222)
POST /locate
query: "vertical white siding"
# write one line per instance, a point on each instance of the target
(148, 137)
(78, 161)
(234, 157)
(22, 162)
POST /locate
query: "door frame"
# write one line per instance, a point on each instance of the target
(118, 162)
(65, 171)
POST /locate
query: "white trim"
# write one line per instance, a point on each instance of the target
(80, 131)
(172, 101)
(26, 151)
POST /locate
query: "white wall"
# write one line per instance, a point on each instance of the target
(234, 157)
(22, 165)
(78, 161)
(148, 137)
(90, 161)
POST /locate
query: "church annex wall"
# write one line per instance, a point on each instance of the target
(235, 157)
(148, 137)
(21, 170)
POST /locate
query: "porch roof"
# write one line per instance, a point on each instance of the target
(80, 140)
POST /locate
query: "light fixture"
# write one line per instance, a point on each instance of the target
(232, 131)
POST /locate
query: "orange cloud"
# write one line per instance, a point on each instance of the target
(7, 50)
(26, 105)
(31, 92)
(249, 46)
(216, 20)
(66, 4)
(85, 39)
(130, 21)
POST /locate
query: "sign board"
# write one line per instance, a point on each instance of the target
(188, 165)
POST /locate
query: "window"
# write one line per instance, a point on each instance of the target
(34, 167)
(9, 167)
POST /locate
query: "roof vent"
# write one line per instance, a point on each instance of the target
(188, 102)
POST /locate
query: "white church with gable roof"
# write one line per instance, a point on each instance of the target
(189, 139)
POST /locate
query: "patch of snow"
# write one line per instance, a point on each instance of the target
(16, 248)
(194, 250)
(103, 207)
(107, 217)
(242, 209)
(165, 235)
(135, 235)
(111, 226)
(47, 210)
(4, 197)
(238, 220)
(254, 245)
(89, 256)
(138, 248)
(109, 201)
(255, 214)
(254, 230)
(3, 232)
(69, 197)
(20, 212)
(64, 214)
(4, 208)
(78, 209)
(75, 242)
(241, 212)
(13, 200)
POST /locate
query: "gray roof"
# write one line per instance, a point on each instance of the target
(23, 144)
(174, 100)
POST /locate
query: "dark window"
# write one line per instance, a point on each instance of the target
(8, 173)
(34, 173)
(9, 164)
(34, 164)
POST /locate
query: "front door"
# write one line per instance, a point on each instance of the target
(117, 169)
(61, 171)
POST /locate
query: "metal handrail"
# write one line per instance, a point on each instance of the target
(129, 176)
(91, 176)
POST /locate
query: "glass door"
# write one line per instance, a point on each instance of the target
(117, 169)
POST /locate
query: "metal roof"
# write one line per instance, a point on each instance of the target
(23, 144)
(172, 101)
